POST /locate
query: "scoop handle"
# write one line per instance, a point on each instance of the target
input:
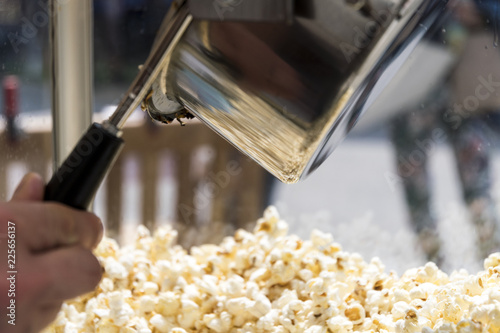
(77, 180)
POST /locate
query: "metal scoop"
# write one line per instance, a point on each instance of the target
(281, 80)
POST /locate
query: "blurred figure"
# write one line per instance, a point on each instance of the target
(462, 114)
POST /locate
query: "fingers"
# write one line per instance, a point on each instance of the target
(44, 226)
(33, 317)
(72, 271)
(46, 315)
(30, 188)
(45, 280)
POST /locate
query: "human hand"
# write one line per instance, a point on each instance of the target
(51, 252)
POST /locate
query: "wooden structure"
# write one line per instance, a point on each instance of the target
(214, 195)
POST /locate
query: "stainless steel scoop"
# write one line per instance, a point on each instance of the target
(284, 80)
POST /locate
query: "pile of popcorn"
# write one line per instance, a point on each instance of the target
(268, 281)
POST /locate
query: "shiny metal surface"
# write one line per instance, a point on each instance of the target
(157, 60)
(287, 93)
(71, 73)
(240, 10)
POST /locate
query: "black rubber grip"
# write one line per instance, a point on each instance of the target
(76, 182)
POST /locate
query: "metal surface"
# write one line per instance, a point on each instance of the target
(71, 73)
(240, 10)
(287, 93)
(157, 60)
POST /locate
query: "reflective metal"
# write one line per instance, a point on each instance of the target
(71, 35)
(157, 60)
(240, 10)
(287, 93)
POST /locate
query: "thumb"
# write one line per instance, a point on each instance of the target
(30, 189)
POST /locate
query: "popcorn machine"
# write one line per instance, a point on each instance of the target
(281, 80)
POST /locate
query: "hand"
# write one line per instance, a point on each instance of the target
(53, 256)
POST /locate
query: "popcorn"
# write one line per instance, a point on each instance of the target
(178, 330)
(238, 306)
(150, 288)
(147, 304)
(260, 307)
(190, 312)
(266, 281)
(355, 313)
(162, 324)
(167, 304)
(320, 239)
(339, 324)
(120, 310)
(492, 261)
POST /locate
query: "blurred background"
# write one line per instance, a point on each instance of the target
(416, 180)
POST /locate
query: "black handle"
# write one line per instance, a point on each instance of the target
(76, 182)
